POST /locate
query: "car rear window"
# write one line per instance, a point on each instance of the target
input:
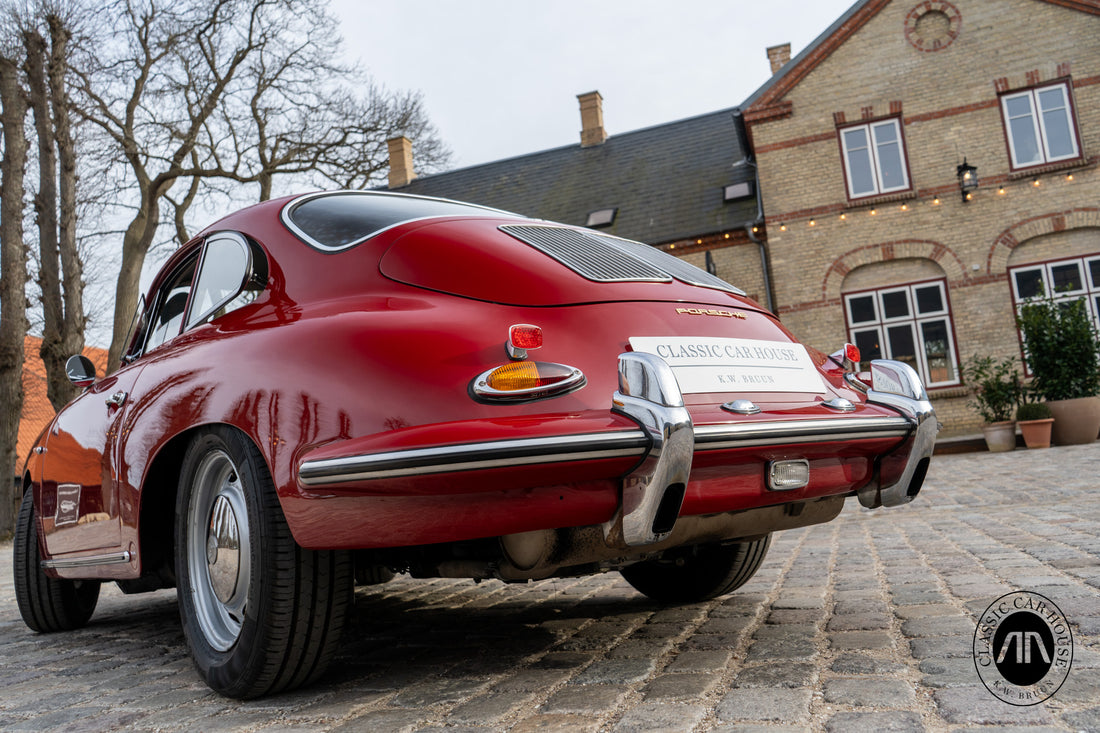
(336, 221)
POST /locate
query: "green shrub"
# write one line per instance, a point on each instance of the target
(1033, 411)
(1061, 347)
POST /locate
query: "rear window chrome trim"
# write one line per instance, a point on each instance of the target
(297, 231)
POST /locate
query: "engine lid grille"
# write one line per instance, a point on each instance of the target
(603, 258)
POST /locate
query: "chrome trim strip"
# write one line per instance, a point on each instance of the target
(814, 430)
(89, 561)
(471, 456)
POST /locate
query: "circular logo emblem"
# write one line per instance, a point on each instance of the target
(1023, 648)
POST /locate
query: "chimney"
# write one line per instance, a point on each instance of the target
(778, 56)
(592, 132)
(401, 161)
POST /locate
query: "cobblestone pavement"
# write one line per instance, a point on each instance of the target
(862, 624)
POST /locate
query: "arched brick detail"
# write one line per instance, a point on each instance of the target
(922, 249)
(996, 261)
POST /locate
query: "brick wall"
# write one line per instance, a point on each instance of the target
(822, 245)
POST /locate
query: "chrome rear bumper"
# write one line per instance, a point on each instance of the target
(665, 444)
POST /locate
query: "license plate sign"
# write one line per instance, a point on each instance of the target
(734, 365)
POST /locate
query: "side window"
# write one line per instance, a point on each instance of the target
(225, 274)
(909, 323)
(223, 278)
(171, 305)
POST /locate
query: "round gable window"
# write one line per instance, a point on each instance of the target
(932, 26)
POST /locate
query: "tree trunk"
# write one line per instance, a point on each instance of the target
(45, 209)
(13, 279)
(135, 245)
(72, 268)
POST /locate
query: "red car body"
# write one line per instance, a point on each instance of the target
(356, 355)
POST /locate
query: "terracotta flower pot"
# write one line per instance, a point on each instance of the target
(1075, 421)
(1000, 436)
(1036, 432)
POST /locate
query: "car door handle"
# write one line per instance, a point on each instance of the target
(116, 399)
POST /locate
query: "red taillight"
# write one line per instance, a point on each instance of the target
(525, 336)
(851, 353)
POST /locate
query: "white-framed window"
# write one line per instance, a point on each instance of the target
(909, 323)
(874, 158)
(1040, 126)
(1066, 279)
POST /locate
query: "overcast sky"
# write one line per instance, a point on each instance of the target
(500, 77)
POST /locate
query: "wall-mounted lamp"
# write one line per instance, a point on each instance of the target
(968, 179)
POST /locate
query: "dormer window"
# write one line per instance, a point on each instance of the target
(601, 218)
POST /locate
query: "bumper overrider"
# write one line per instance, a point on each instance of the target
(666, 442)
(652, 493)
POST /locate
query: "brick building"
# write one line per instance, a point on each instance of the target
(859, 140)
(832, 194)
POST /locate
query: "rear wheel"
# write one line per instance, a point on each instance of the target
(47, 604)
(260, 613)
(697, 573)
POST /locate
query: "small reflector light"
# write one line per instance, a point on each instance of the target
(851, 353)
(787, 475)
(525, 336)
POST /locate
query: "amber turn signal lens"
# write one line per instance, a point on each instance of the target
(527, 380)
(527, 375)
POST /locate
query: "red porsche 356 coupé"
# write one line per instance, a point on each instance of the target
(334, 387)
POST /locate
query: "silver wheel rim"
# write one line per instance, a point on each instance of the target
(218, 561)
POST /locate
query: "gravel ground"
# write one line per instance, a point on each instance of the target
(862, 624)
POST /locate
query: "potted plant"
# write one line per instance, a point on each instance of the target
(1063, 353)
(1035, 420)
(997, 392)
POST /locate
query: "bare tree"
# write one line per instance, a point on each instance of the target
(60, 269)
(13, 273)
(234, 90)
(305, 118)
(185, 52)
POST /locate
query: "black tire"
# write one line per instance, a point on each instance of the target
(46, 604)
(266, 617)
(697, 573)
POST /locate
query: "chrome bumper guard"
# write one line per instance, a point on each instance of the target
(897, 386)
(653, 492)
